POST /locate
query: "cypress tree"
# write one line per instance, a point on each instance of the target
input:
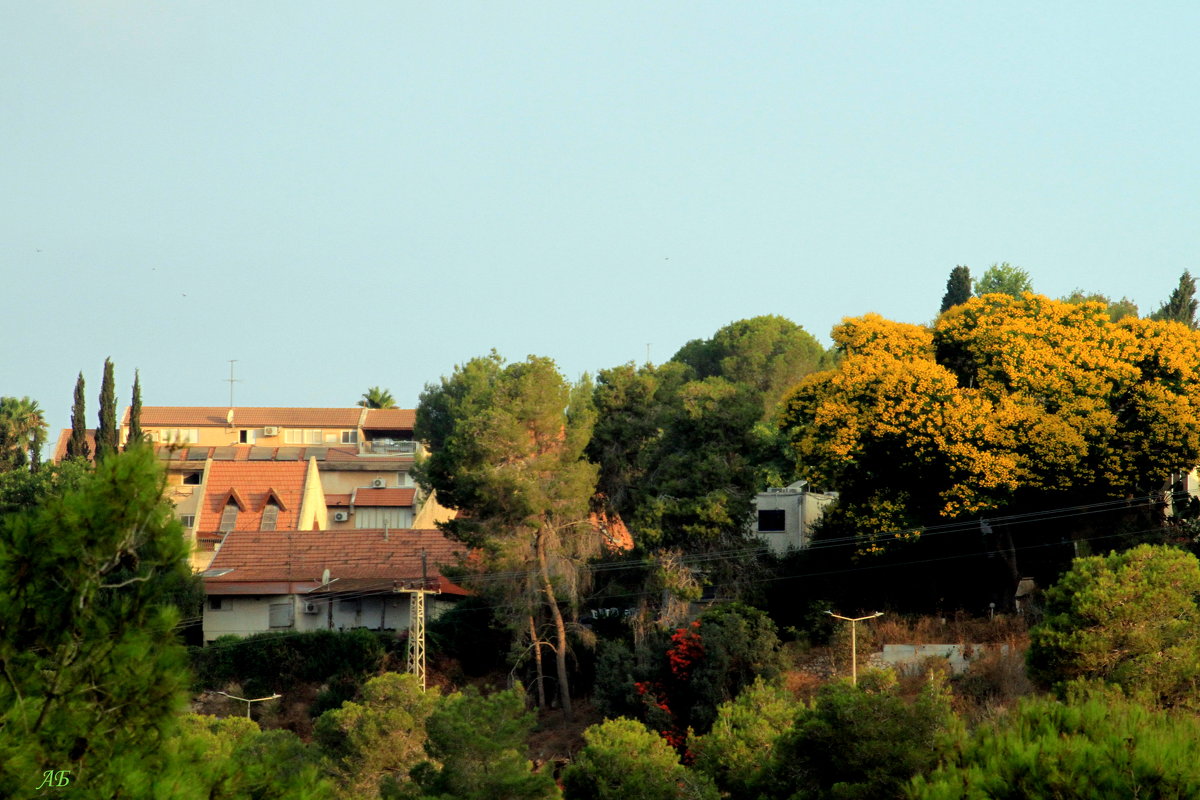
(1181, 305)
(77, 445)
(106, 431)
(135, 413)
(958, 288)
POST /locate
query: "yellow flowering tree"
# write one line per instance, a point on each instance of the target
(1006, 402)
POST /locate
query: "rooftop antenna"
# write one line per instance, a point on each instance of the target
(648, 352)
(231, 380)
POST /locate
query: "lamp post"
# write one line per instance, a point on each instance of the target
(854, 640)
(248, 701)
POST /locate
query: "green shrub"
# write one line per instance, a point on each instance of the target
(622, 759)
(1130, 619)
(862, 742)
(274, 662)
(1097, 744)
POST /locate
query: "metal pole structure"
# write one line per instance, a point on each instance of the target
(854, 640)
(248, 701)
(416, 634)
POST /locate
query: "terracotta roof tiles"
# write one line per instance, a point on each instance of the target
(374, 498)
(390, 419)
(355, 559)
(253, 482)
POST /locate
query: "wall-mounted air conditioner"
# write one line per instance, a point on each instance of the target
(378, 483)
(312, 608)
(341, 516)
(270, 430)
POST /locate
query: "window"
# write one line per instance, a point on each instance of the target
(772, 520)
(247, 437)
(280, 615)
(302, 436)
(228, 517)
(188, 520)
(191, 479)
(215, 604)
(270, 516)
(349, 437)
(179, 435)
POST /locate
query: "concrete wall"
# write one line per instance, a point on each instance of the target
(911, 657)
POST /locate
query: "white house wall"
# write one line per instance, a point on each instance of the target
(244, 615)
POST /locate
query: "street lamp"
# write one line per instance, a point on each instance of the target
(248, 701)
(854, 640)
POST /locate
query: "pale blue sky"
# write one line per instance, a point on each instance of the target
(348, 194)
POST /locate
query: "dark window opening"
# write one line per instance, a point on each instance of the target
(191, 479)
(772, 520)
(244, 437)
(214, 604)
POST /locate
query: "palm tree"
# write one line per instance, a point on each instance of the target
(377, 398)
(22, 433)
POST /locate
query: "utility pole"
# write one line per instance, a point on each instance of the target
(854, 640)
(416, 622)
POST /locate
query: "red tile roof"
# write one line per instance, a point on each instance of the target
(358, 560)
(253, 481)
(60, 448)
(379, 419)
(205, 416)
(374, 498)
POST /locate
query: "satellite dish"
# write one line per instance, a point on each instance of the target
(229, 417)
(325, 577)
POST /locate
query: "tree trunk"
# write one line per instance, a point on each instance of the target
(537, 659)
(560, 629)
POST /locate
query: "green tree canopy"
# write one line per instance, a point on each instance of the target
(107, 432)
(382, 736)
(622, 759)
(478, 747)
(507, 444)
(958, 288)
(1181, 305)
(22, 434)
(769, 354)
(1117, 309)
(1003, 279)
(863, 742)
(77, 445)
(136, 436)
(738, 751)
(1131, 619)
(1097, 744)
(376, 397)
(93, 670)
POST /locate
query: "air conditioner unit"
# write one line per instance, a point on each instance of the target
(312, 608)
(341, 516)
(270, 430)
(378, 483)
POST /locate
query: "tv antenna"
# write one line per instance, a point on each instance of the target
(232, 380)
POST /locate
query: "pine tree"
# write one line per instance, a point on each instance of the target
(958, 288)
(135, 413)
(77, 445)
(1181, 305)
(106, 431)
